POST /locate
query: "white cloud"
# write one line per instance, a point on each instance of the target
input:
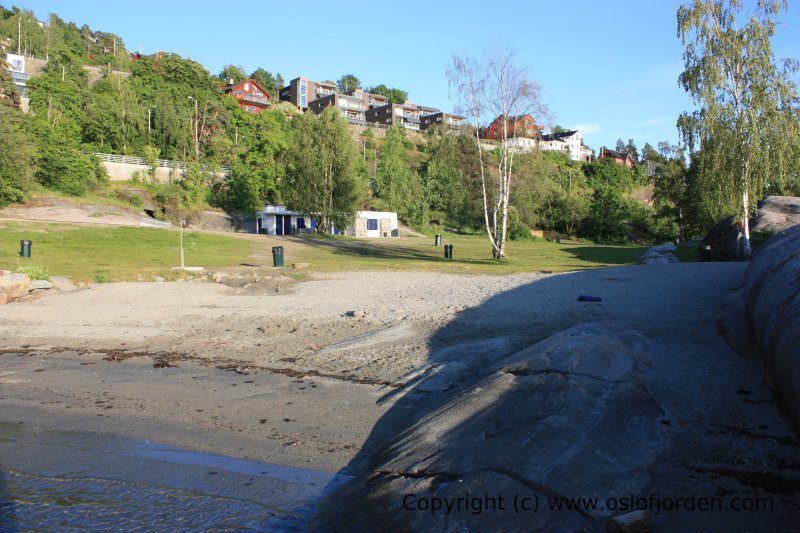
(587, 129)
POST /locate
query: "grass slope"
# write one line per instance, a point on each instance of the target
(129, 254)
(114, 253)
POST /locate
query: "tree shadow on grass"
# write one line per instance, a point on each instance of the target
(388, 251)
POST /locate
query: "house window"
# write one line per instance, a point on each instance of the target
(372, 224)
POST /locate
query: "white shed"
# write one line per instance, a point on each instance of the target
(374, 224)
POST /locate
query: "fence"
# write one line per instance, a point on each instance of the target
(162, 163)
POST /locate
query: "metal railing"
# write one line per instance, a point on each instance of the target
(162, 163)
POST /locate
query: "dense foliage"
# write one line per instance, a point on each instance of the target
(93, 96)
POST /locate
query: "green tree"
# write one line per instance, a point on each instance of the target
(321, 179)
(347, 83)
(151, 154)
(745, 98)
(16, 159)
(232, 72)
(670, 185)
(395, 96)
(264, 140)
(607, 212)
(267, 81)
(397, 184)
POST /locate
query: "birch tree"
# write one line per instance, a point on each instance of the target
(744, 97)
(495, 87)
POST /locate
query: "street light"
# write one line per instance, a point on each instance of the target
(149, 110)
(196, 145)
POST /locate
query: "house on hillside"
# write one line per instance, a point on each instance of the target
(567, 141)
(517, 126)
(250, 95)
(350, 107)
(620, 158)
(407, 115)
(448, 120)
(301, 91)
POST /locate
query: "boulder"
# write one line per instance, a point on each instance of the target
(723, 241)
(661, 259)
(40, 284)
(776, 213)
(567, 417)
(63, 284)
(15, 284)
(773, 306)
(664, 248)
(6, 298)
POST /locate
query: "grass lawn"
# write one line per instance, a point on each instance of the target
(471, 254)
(114, 253)
(129, 254)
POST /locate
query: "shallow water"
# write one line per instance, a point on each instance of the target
(81, 481)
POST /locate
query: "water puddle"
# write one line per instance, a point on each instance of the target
(68, 481)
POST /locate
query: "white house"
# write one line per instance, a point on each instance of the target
(277, 220)
(567, 141)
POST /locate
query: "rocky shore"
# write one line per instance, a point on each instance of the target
(426, 386)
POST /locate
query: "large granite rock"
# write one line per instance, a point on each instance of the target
(775, 213)
(773, 307)
(723, 241)
(15, 284)
(567, 417)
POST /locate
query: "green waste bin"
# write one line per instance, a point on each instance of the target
(448, 251)
(25, 248)
(277, 256)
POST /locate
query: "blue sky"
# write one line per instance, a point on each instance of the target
(607, 67)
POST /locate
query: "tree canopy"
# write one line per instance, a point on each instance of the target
(745, 123)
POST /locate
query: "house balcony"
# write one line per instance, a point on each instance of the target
(249, 97)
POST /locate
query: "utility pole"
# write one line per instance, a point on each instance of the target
(19, 34)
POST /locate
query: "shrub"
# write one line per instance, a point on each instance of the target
(34, 272)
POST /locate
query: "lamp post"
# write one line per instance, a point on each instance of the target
(196, 146)
(149, 110)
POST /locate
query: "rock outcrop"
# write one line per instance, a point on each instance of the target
(567, 417)
(775, 213)
(772, 302)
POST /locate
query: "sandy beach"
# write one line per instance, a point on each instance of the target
(310, 374)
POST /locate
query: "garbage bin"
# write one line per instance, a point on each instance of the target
(705, 253)
(25, 248)
(437, 241)
(277, 256)
(448, 251)
(558, 239)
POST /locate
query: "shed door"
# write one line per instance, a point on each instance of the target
(278, 225)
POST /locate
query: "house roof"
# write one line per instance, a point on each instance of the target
(558, 136)
(231, 86)
(614, 153)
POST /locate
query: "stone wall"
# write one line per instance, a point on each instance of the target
(772, 302)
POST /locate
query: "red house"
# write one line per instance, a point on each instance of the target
(620, 158)
(519, 126)
(250, 94)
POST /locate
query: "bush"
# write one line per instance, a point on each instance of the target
(34, 272)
